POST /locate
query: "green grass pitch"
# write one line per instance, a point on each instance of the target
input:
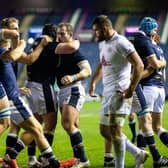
(93, 141)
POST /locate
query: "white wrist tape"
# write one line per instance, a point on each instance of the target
(74, 77)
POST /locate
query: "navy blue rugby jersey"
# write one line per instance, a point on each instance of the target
(145, 48)
(8, 78)
(44, 68)
(68, 65)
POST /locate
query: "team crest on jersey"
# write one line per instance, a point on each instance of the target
(104, 62)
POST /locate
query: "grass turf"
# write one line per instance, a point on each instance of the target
(93, 141)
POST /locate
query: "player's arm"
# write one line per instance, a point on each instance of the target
(137, 69)
(31, 57)
(96, 78)
(164, 74)
(85, 71)
(8, 34)
(34, 55)
(14, 54)
(147, 71)
(155, 63)
(67, 47)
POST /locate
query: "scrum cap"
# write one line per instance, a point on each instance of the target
(148, 24)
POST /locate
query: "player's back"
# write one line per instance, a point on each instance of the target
(45, 66)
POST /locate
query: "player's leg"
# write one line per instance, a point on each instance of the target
(117, 122)
(31, 148)
(108, 157)
(118, 139)
(43, 103)
(4, 114)
(106, 133)
(132, 125)
(12, 137)
(4, 110)
(157, 116)
(72, 99)
(25, 120)
(145, 121)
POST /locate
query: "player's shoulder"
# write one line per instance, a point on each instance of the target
(123, 42)
(121, 39)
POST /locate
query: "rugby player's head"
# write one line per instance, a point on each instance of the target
(65, 32)
(149, 26)
(50, 30)
(102, 27)
(10, 23)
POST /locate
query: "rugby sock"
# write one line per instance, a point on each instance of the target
(77, 145)
(10, 141)
(48, 154)
(141, 141)
(164, 138)
(132, 125)
(108, 155)
(19, 146)
(152, 147)
(119, 150)
(131, 148)
(49, 137)
(4, 113)
(32, 148)
(32, 145)
(163, 135)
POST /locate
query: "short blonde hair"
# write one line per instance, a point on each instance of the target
(5, 23)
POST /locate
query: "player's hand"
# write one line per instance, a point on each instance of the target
(128, 93)
(25, 91)
(45, 40)
(66, 80)
(92, 90)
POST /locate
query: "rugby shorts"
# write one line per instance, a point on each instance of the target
(44, 98)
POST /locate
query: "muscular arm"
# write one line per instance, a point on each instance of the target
(67, 47)
(147, 71)
(96, 78)
(137, 69)
(34, 55)
(85, 71)
(14, 54)
(155, 63)
(8, 34)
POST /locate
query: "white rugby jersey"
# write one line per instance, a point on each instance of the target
(116, 68)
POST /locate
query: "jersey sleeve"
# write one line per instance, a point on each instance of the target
(79, 57)
(125, 47)
(147, 49)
